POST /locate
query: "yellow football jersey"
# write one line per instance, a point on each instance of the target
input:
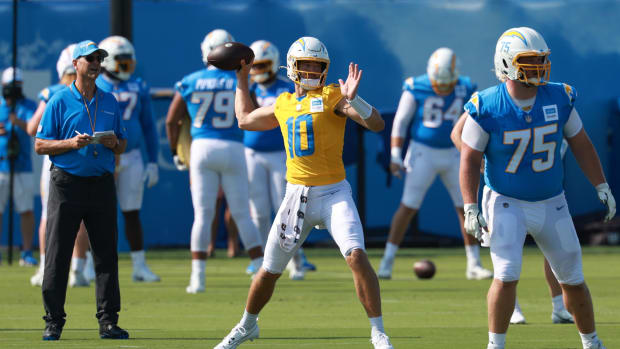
(313, 136)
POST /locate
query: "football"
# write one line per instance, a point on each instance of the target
(424, 269)
(229, 55)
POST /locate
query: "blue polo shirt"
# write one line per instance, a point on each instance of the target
(24, 108)
(65, 113)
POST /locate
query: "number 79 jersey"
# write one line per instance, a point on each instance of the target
(210, 98)
(313, 136)
(435, 115)
(522, 155)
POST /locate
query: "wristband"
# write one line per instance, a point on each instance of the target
(361, 106)
(602, 186)
(396, 152)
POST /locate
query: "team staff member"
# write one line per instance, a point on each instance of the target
(82, 188)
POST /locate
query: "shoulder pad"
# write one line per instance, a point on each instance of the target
(44, 94)
(570, 92)
(408, 84)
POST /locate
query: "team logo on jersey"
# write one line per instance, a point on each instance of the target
(550, 112)
(316, 105)
(460, 91)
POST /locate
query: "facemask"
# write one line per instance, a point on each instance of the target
(310, 84)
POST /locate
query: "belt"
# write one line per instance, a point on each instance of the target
(87, 179)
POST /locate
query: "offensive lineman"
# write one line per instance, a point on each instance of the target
(132, 94)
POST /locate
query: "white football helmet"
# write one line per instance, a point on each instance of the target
(516, 43)
(214, 38)
(264, 53)
(121, 59)
(442, 70)
(65, 62)
(307, 49)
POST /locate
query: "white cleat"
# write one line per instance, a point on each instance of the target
(385, 269)
(294, 273)
(517, 317)
(562, 317)
(144, 274)
(237, 336)
(196, 284)
(89, 268)
(597, 345)
(478, 273)
(381, 341)
(77, 279)
(37, 279)
(493, 346)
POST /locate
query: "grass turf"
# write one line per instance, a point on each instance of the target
(322, 311)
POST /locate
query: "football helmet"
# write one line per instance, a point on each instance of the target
(121, 59)
(307, 49)
(65, 62)
(215, 38)
(264, 53)
(442, 71)
(516, 43)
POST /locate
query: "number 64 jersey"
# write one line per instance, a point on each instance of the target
(313, 136)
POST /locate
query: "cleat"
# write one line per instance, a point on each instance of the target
(294, 273)
(144, 274)
(237, 336)
(478, 273)
(251, 269)
(562, 317)
(196, 284)
(111, 331)
(89, 268)
(385, 269)
(493, 346)
(37, 279)
(77, 279)
(517, 317)
(52, 332)
(27, 260)
(305, 264)
(381, 341)
(597, 345)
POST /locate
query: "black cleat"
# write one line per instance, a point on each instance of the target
(111, 331)
(52, 332)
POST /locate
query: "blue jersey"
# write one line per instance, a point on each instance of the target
(522, 157)
(210, 98)
(46, 94)
(135, 104)
(66, 115)
(267, 140)
(435, 115)
(23, 110)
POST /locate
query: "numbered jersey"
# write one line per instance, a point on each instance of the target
(210, 98)
(522, 156)
(435, 115)
(136, 111)
(313, 136)
(46, 94)
(267, 140)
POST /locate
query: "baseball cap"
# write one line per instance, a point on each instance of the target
(65, 61)
(87, 47)
(7, 75)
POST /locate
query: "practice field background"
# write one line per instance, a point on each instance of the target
(322, 311)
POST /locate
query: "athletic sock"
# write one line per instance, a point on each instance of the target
(42, 262)
(248, 320)
(390, 251)
(497, 339)
(198, 266)
(517, 306)
(473, 255)
(558, 303)
(257, 263)
(376, 325)
(589, 339)
(77, 264)
(137, 258)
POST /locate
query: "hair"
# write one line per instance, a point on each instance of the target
(67, 79)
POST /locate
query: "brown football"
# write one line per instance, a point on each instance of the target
(424, 269)
(229, 55)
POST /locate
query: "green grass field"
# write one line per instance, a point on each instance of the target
(320, 312)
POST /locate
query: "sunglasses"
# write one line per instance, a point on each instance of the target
(91, 58)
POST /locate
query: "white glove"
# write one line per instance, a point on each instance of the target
(151, 174)
(179, 164)
(396, 161)
(474, 222)
(605, 196)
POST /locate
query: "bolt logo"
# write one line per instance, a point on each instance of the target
(515, 34)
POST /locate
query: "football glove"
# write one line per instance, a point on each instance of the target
(396, 161)
(605, 196)
(151, 174)
(179, 164)
(474, 222)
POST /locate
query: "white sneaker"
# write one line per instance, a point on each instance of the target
(478, 273)
(493, 346)
(385, 269)
(144, 274)
(597, 345)
(381, 341)
(77, 279)
(294, 273)
(37, 278)
(517, 317)
(196, 284)
(562, 317)
(237, 336)
(89, 268)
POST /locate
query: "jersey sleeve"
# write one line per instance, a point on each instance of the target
(472, 107)
(474, 135)
(404, 114)
(44, 95)
(571, 93)
(48, 127)
(119, 126)
(148, 123)
(333, 96)
(182, 87)
(408, 84)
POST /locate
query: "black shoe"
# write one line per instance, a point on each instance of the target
(111, 331)
(52, 332)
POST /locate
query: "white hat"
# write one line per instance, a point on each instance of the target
(65, 62)
(7, 75)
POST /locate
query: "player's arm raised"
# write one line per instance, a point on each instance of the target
(248, 116)
(353, 106)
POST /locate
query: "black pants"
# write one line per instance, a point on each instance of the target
(71, 200)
